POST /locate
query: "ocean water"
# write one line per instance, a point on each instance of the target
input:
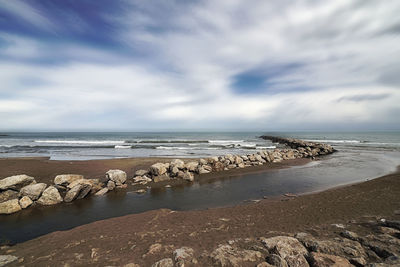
(84, 146)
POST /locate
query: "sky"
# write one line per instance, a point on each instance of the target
(239, 65)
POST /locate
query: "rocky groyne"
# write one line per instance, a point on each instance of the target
(22, 191)
(306, 148)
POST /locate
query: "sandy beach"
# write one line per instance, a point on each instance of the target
(127, 239)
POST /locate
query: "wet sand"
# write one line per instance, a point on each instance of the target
(126, 239)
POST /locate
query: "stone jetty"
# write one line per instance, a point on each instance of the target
(22, 191)
(308, 149)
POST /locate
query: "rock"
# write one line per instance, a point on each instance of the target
(158, 169)
(91, 182)
(167, 262)
(25, 202)
(102, 192)
(192, 166)
(110, 185)
(8, 195)
(177, 163)
(16, 182)
(264, 264)
(183, 255)
(226, 255)
(50, 196)
(140, 191)
(142, 179)
(66, 179)
(288, 248)
(174, 171)
(117, 176)
(350, 235)
(79, 191)
(238, 160)
(207, 168)
(6, 259)
(202, 170)
(204, 162)
(161, 178)
(33, 191)
(9, 206)
(340, 247)
(392, 224)
(141, 172)
(275, 260)
(188, 176)
(325, 260)
(218, 166)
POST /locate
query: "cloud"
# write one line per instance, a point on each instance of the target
(270, 65)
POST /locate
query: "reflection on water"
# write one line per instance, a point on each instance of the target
(337, 169)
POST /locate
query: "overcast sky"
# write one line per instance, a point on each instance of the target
(199, 65)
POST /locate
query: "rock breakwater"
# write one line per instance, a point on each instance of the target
(22, 191)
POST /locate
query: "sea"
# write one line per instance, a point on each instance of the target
(106, 145)
(360, 156)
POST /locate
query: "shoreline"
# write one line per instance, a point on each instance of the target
(129, 237)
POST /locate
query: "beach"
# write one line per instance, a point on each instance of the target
(126, 239)
(262, 194)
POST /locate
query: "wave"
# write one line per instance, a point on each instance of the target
(335, 141)
(80, 141)
(225, 141)
(171, 141)
(265, 147)
(185, 148)
(123, 147)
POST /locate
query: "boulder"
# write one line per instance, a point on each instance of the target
(174, 171)
(79, 191)
(230, 157)
(9, 206)
(188, 176)
(192, 166)
(66, 179)
(288, 248)
(203, 161)
(184, 256)
(218, 166)
(16, 182)
(6, 259)
(91, 182)
(142, 179)
(117, 176)
(110, 185)
(158, 169)
(8, 195)
(141, 172)
(25, 202)
(33, 191)
(227, 255)
(102, 191)
(238, 160)
(325, 260)
(167, 262)
(202, 170)
(276, 260)
(50, 196)
(177, 163)
(161, 178)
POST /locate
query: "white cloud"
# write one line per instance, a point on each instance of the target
(193, 55)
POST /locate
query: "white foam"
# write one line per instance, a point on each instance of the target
(124, 147)
(265, 147)
(225, 141)
(335, 141)
(79, 141)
